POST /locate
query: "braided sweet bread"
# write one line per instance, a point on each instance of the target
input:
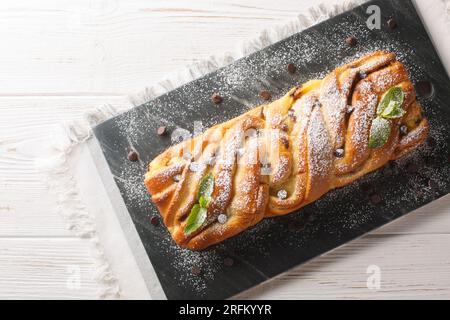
(284, 155)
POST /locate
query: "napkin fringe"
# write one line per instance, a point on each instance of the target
(61, 181)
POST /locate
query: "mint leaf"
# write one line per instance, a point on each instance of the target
(195, 219)
(206, 186)
(203, 201)
(391, 103)
(393, 111)
(379, 132)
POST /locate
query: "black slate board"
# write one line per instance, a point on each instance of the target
(277, 245)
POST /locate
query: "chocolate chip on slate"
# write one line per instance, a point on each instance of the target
(228, 262)
(433, 185)
(366, 187)
(431, 142)
(403, 130)
(412, 168)
(161, 130)
(424, 89)
(265, 95)
(339, 153)
(375, 199)
(133, 156)
(351, 41)
(392, 24)
(291, 68)
(216, 98)
(294, 226)
(154, 221)
(196, 271)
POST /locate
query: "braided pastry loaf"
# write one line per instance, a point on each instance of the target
(284, 155)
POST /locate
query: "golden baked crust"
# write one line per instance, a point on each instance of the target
(311, 122)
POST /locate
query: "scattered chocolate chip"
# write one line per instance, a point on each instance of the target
(228, 262)
(366, 187)
(282, 194)
(294, 226)
(133, 156)
(428, 161)
(291, 113)
(375, 199)
(264, 94)
(433, 185)
(285, 142)
(431, 142)
(216, 98)
(351, 41)
(154, 221)
(403, 130)
(161, 130)
(424, 89)
(196, 271)
(284, 127)
(350, 109)
(266, 169)
(412, 168)
(392, 24)
(339, 153)
(291, 68)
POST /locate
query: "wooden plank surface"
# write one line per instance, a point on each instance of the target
(60, 59)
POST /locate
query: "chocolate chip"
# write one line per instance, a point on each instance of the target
(228, 262)
(375, 199)
(216, 98)
(424, 89)
(339, 153)
(154, 221)
(133, 156)
(431, 142)
(351, 41)
(284, 127)
(285, 142)
(403, 130)
(412, 168)
(291, 68)
(294, 226)
(350, 109)
(161, 130)
(196, 271)
(433, 185)
(392, 24)
(265, 95)
(366, 187)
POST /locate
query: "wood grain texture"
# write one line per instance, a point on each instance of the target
(60, 59)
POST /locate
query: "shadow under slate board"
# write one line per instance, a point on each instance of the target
(276, 245)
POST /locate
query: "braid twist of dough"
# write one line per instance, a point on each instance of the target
(321, 143)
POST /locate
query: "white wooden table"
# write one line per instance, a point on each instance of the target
(60, 58)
